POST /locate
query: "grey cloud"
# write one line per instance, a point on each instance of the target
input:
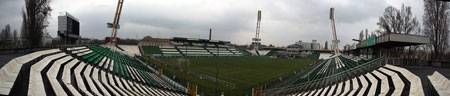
(11, 11)
(283, 21)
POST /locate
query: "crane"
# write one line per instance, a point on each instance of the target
(115, 24)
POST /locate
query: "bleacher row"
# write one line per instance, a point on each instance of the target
(193, 49)
(91, 70)
(207, 51)
(344, 75)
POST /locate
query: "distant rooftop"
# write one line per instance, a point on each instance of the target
(68, 15)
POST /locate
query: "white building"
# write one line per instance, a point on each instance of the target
(307, 45)
(315, 45)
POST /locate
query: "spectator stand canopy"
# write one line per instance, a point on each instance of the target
(377, 46)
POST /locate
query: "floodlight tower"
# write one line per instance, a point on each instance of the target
(115, 25)
(257, 40)
(333, 27)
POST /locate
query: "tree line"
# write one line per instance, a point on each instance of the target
(34, 16)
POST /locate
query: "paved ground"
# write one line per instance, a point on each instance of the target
(7, 55)
(5, 58)
(424, 71)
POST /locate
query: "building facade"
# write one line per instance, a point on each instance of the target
(307, 45)
(68, 29)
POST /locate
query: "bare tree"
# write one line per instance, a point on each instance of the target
(367, 34)
(1, 34)
(14, 38)
(398, 21)
(436, 26)
(361, 35)
(34, 22)
(24, 32)
(5, 36)
(2, 38)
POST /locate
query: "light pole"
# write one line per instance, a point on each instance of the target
(357, 59)
(185, 66)
(217, 73)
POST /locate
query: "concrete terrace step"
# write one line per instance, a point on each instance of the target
(35, 85)
(440, 83)
(9, 72)
(386, 80)
(397, 82)
(52, 75)
(416, 83)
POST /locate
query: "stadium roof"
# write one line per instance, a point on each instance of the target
(150, 38)
(393, 40)
(198, 40)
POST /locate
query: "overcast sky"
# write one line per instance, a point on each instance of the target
(283, 21)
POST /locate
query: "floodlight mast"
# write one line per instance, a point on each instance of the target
(333, 27)
(116, 21)
(257, 40)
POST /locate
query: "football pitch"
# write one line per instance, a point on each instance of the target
(243, 72)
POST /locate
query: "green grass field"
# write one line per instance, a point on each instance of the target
(244, 72)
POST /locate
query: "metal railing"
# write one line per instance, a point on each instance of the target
(165, 78)
(292, 78)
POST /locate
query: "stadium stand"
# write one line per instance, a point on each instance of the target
(129, 50)
(324, 55)
(263, 52)
(10, 71)
(348, 75)
(153, 50)
(313, 56)
(87, 70)
(191, 47)
(134, 49)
